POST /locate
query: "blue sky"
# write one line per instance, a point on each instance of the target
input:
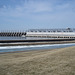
(34, 14)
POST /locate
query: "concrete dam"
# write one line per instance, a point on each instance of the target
(12, 34)
(42, 33)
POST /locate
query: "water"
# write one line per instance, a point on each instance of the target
(31, 47)
(12, 38)
(22, 38)
(34, 47)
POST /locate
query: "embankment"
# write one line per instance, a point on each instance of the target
(35, 42)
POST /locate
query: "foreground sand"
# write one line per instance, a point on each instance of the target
(42, 62)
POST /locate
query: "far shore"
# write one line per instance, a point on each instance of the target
(35, 43)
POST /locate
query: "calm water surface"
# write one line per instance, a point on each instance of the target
(34, 47)
(31, 47)
(22, 38)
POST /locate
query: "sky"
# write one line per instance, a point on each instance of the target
(36, 14)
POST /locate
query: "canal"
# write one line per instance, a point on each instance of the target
(34, 47)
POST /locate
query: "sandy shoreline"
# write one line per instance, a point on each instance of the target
(41, 62)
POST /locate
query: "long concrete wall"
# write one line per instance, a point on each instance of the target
(51, 34)
(40, 34)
